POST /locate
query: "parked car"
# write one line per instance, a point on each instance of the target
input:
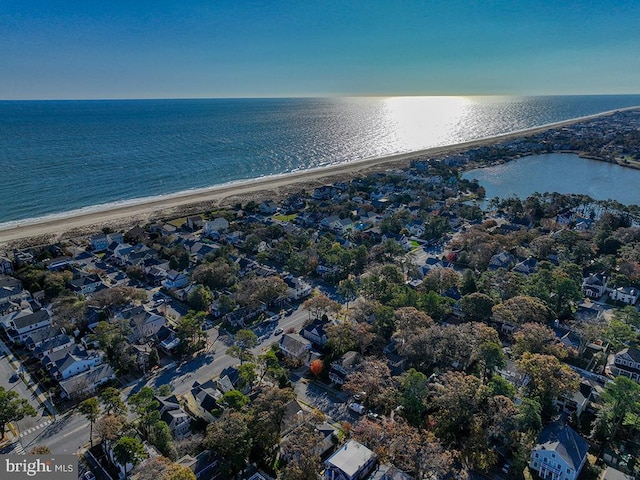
(277, 331)
(89, 475)
(356, 407)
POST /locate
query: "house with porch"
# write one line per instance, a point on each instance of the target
(353, 461)
(559, 453)
(626, 362)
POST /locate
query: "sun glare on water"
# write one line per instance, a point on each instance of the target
(419, 122)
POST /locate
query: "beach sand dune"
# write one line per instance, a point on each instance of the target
(50, 230)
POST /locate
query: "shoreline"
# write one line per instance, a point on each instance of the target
(45, 230)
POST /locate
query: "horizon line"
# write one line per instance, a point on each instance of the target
(294, 97)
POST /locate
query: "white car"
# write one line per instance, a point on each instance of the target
(89, 475)
(356, 407)
(277, 331)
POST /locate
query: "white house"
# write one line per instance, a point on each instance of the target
(595, 285)
(626, 295)
(559, 454)
(19, 325)
(175, 279)
(87, 382)
(218, 224)
(626, 362)
(353, 461)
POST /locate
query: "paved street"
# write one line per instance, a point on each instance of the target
(70, 432)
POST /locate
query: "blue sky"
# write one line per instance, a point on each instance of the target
(218, 48)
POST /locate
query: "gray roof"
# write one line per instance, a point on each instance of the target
(351, 457)
(566, 443)
(31, 319)
(95, 376)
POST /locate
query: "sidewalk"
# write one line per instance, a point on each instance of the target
(28, 381)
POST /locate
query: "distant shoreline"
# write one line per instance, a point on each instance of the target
(77, 224)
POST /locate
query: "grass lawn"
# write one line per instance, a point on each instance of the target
(177, 222)
(285, 218)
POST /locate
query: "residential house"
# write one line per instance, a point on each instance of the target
(215, 226)
(205, 465)
(107, 446)
(297, 288)
(86, 383)
(268, 207)
(202, 400)
(315, 333)
(175, 279)
(41, 335)
(6, 266)
(353, 461)
(167, 339)
(626, 362)
(144, 324)
(85, 283)
(295, 347)
(386, 471)
(502, 260)
(19, 325)
(173, 415)
(559, 453)
(595, 285)
(526, 267)
(342, 367)
(52, 344)
(194, 222)
(576, 402)
(626, 295)
(10, 289)
(72, 360)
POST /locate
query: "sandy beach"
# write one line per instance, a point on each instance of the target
(48, 230)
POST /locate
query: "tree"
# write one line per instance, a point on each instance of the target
(230, 438)
(189, 330)
(164, 390)
(299, 451)
(619, 333)
(372, 376)
(145, 406)
(521, 309)
(247, 375)
(316, 367)
(200, 299)
(13, 408)
(320, 305)
(266, 420)
(129, 450)
(549, 378)
(178, 472)
(118, 296)
(477, 307)
(109, 427)
(90, 408)
(40, 450)
(341, 337)
(162, 439)
(490, 357)
(244, 341)
(112, 401)
(235, 399)
(537, 338)
(620, 402)
(414, 388)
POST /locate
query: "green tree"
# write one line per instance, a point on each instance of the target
(112, 401)
(244, 341)
(549, 378)
(90, 408)
(145, 406)
(13, 408)
(620, 401)
(162, 439)
(477, 307)
(538, 338)
(414, 389)
(129, 450)
(229, 437)
(189, 330)
(200, 299)
(619, 333)
(178, 472)
(235, 399)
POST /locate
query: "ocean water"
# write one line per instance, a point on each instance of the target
(62, 156)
